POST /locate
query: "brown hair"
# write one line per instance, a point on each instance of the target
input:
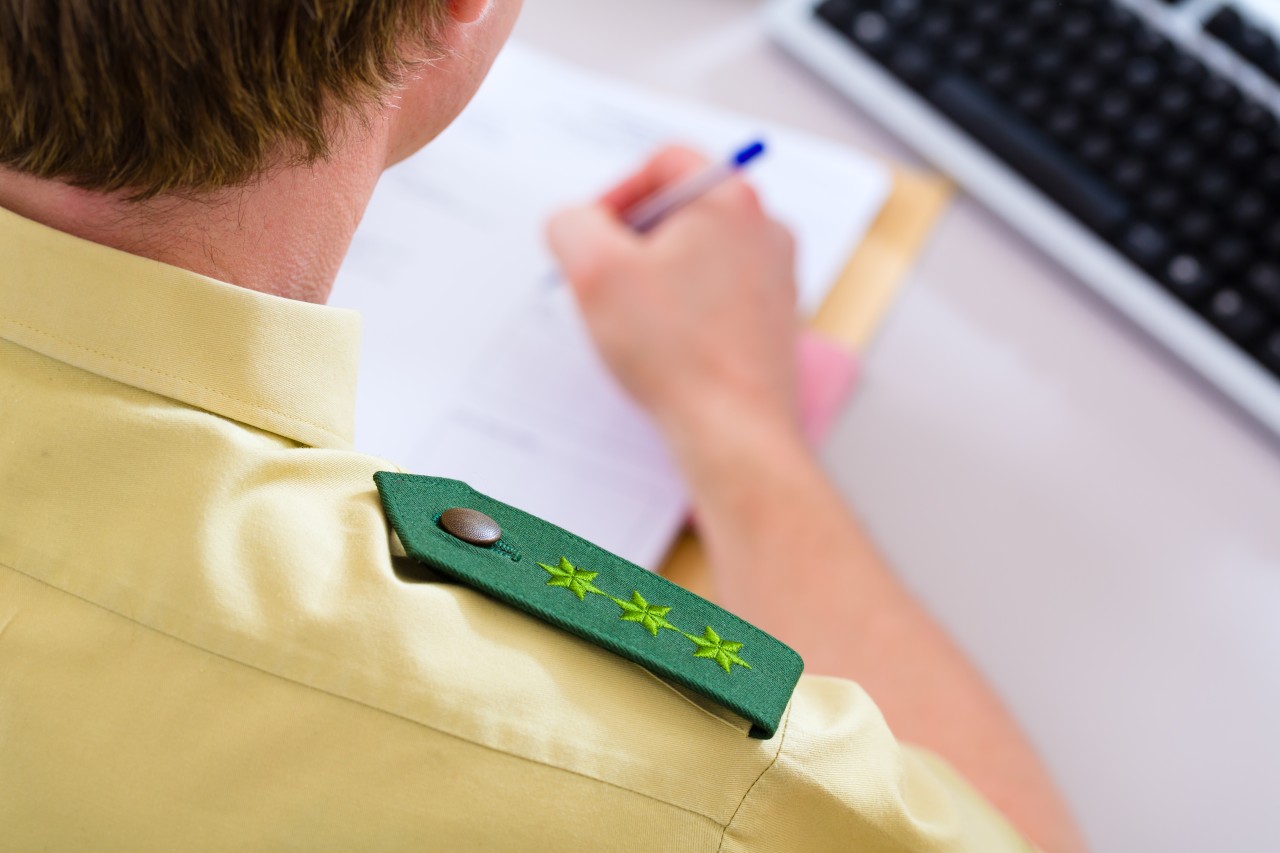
(150, 96)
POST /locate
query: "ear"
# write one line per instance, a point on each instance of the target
(467, 11)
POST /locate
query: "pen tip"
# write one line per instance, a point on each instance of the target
(751, 152)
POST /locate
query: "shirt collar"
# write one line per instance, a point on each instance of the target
(281, 365)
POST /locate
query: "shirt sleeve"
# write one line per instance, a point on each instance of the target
(841, 781)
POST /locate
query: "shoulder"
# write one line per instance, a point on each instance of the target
(254, 638)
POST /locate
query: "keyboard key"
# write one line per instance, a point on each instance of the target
(838, 13)
(902, 12)
(1232, 253)
(1176, 103)
(1269, 175)
(1119, 18)
(1146, 244)
(1082, 85)
(1049, 62)
(1180, 158)
(1115, 108)
(1271, 239)
(1255, 117)
(1209, 128)
(1142, 74)
(1130, 175)
(1032, 101)
(871, 30)
(1000, 77)
(1243, 147)
(1110, 54)
(1264, 282)
(913, 64)
(1017, 39)
(1236, 315)
(1187, 277)
(1226, 24)
(1096, 149)
(1257, 45)
(1146, 133)
(968, 50)
(938, 28)
(1065, 123)
(986, 15)
(1251, 42)
(1197, 227)
(1148, 41)
(1270, 351)
(1271, 67)
(1215, 185)
(1219, 91)
(1077, 27)
(1041, 12)
(1163, 201)
(1250, 209)
(1188, 69)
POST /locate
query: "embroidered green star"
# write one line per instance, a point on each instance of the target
(571, 578)
(723, 652)
(650, 616)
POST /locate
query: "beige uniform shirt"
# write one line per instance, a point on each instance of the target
(206, 642)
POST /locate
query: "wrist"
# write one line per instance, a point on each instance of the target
(724, 440)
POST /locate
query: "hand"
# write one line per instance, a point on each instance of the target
(697, 317)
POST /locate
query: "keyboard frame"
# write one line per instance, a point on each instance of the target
(794, 26)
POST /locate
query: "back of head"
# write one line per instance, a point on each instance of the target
(156, 96)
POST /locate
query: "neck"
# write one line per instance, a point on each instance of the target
(284, 233)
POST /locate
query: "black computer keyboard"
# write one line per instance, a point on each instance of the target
(1161, 156)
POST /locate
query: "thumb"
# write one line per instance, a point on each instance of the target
(587, 239)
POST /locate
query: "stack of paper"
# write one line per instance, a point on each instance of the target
(475, 363)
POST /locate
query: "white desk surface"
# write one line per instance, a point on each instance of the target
(1096, 527)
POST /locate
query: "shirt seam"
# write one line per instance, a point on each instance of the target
(782, 742)
(55, 338)
(375, 708)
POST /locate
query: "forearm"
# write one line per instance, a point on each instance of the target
(788, 555)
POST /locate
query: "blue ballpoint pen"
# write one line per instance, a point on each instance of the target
(647, 214)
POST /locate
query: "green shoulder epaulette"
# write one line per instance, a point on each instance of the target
(565, 580)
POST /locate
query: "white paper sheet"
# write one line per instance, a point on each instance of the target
(475, 364)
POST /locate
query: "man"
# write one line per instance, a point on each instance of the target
(209, 638)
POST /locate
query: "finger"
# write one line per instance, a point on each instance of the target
(736, 196)
(586, 239)
(787, 247)
(785, 240)
(670, 165)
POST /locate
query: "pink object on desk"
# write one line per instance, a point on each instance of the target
(828, 372)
